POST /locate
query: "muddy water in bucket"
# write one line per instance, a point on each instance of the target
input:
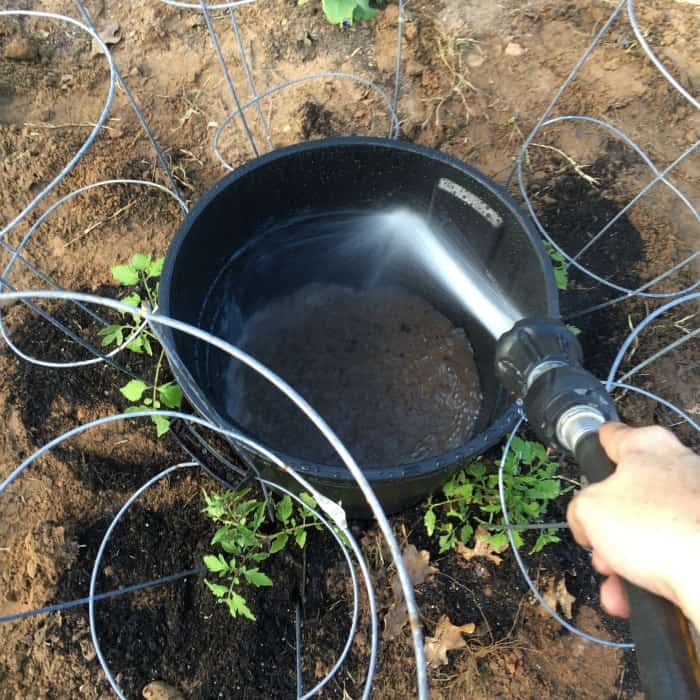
(394, 377)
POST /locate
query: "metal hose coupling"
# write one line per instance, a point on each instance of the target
(540, 360)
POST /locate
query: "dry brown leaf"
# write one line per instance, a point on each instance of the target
(447, 637)
(557, 594)
(419, 571)
(418, 565)
(482, 548)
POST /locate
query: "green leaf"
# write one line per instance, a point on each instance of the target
(257, 578)
(308, 499)
(429, 521)
(170, 394)
(111, 334)
(363, 11)
(346, 11)
(217, 589)
(140, 261)
(260, 556)
(136, 345)
(447, 542)
(279, 543)
(574, 329)
(498, 539)
(162, 424)
(546, 537)
(135, 409)
(477, 469)
(125, 275)
(215, 564)
(134, 389)
(300, 537)
(237, 606)
(465, 534)
(155, 268)
(284, 509)
(132, 299)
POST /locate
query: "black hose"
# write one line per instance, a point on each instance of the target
(668, 663)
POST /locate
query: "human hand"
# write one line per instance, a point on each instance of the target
(643, 522)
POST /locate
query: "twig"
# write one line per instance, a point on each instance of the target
(97, 224)
(578, 168)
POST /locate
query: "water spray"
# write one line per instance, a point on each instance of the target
(540, 361)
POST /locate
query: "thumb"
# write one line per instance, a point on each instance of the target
(612, 438)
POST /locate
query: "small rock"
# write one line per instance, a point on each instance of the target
(108, 571)
(31, 568)
(21, 48)
(158, 690)
(410, 31)
(475, 60)
(514, 49)
(197, 20)
(87, 650)
(110, 35)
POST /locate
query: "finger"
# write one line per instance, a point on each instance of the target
(573, 516)
(612, 438)
(600, 565)
(613, 597)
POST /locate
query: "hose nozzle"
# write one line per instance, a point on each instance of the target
(540, 360)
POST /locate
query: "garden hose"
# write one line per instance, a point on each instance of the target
(540, 360)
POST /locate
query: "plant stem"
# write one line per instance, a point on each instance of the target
(155, 378)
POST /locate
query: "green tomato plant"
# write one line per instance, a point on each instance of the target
(345, 12)
(470, 498)
(140, 278)
(245, 538)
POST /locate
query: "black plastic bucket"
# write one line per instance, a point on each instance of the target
(337, 175)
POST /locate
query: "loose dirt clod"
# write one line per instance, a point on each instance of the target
(158, 690)
(22, 48)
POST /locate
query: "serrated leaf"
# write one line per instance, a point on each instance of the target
(545, 537)
(136, 345)
(132, 299)
(170, 394)
(237, 606)
(140, 261)
(465, 533)
(155, 268)
(300, 537)
(308, 499)
(429, 522)
(257, 578)
(217, 589)
(279, 543)
(111, 334)
(284, 509)
(134, 389)
(215, 564)
(162, 424)
(125, 275)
